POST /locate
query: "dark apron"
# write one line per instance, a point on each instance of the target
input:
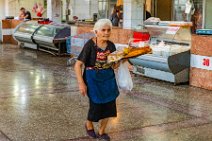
(101, 84)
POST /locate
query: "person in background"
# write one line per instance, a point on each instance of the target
(98, 81)
(115, 16)
(24, 14)
(21, 15)
(196, 19)
(148, 15)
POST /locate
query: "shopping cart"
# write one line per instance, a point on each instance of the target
(76, 43)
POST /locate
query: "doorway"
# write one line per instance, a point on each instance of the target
(160, 8)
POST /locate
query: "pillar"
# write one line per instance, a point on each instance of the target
(2, 9)
(54, 11)
(133, 14)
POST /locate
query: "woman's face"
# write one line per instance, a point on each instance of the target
(104, 33)
(21, 13)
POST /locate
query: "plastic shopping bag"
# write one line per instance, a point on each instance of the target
(124, 78)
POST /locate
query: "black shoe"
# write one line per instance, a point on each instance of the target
(91, 133)
(104, 137)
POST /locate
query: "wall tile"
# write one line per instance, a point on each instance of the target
(6, 24)
(9, 39)
(201, 78)
(124, 36)
(201, 45)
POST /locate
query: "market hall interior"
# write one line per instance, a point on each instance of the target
(39, 100)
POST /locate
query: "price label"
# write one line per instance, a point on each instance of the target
(206, 62)
(202, 62)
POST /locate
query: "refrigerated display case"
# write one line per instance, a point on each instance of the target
(24, 34)
(52, 38)
(170, 58)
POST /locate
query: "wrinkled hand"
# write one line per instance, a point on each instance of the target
(117, 64)
(83, 88)
(124, 60)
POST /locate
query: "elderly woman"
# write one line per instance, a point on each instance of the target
(98, 80)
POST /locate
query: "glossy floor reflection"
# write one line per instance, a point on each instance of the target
(40, 101)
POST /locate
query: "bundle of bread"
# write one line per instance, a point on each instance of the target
(115, 56)
(134, 52)
(128, 52)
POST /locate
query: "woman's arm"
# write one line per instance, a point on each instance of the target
(117, 64)
(78, 72)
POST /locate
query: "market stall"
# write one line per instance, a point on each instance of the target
(170, 58)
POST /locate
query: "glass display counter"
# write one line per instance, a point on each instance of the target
(50, 38)
(170, 58)
(24, 34)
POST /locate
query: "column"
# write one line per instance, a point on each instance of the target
(2, 9)
(82, 8)
(201, 62)
(133, 14)
(54, 12)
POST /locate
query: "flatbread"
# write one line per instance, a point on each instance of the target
(129, 52)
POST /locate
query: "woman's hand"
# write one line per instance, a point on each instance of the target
(83, 88)
(117, 64)
(81, 83)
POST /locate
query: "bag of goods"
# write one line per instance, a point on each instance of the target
(124, 78)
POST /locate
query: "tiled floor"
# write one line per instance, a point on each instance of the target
(40, 101)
